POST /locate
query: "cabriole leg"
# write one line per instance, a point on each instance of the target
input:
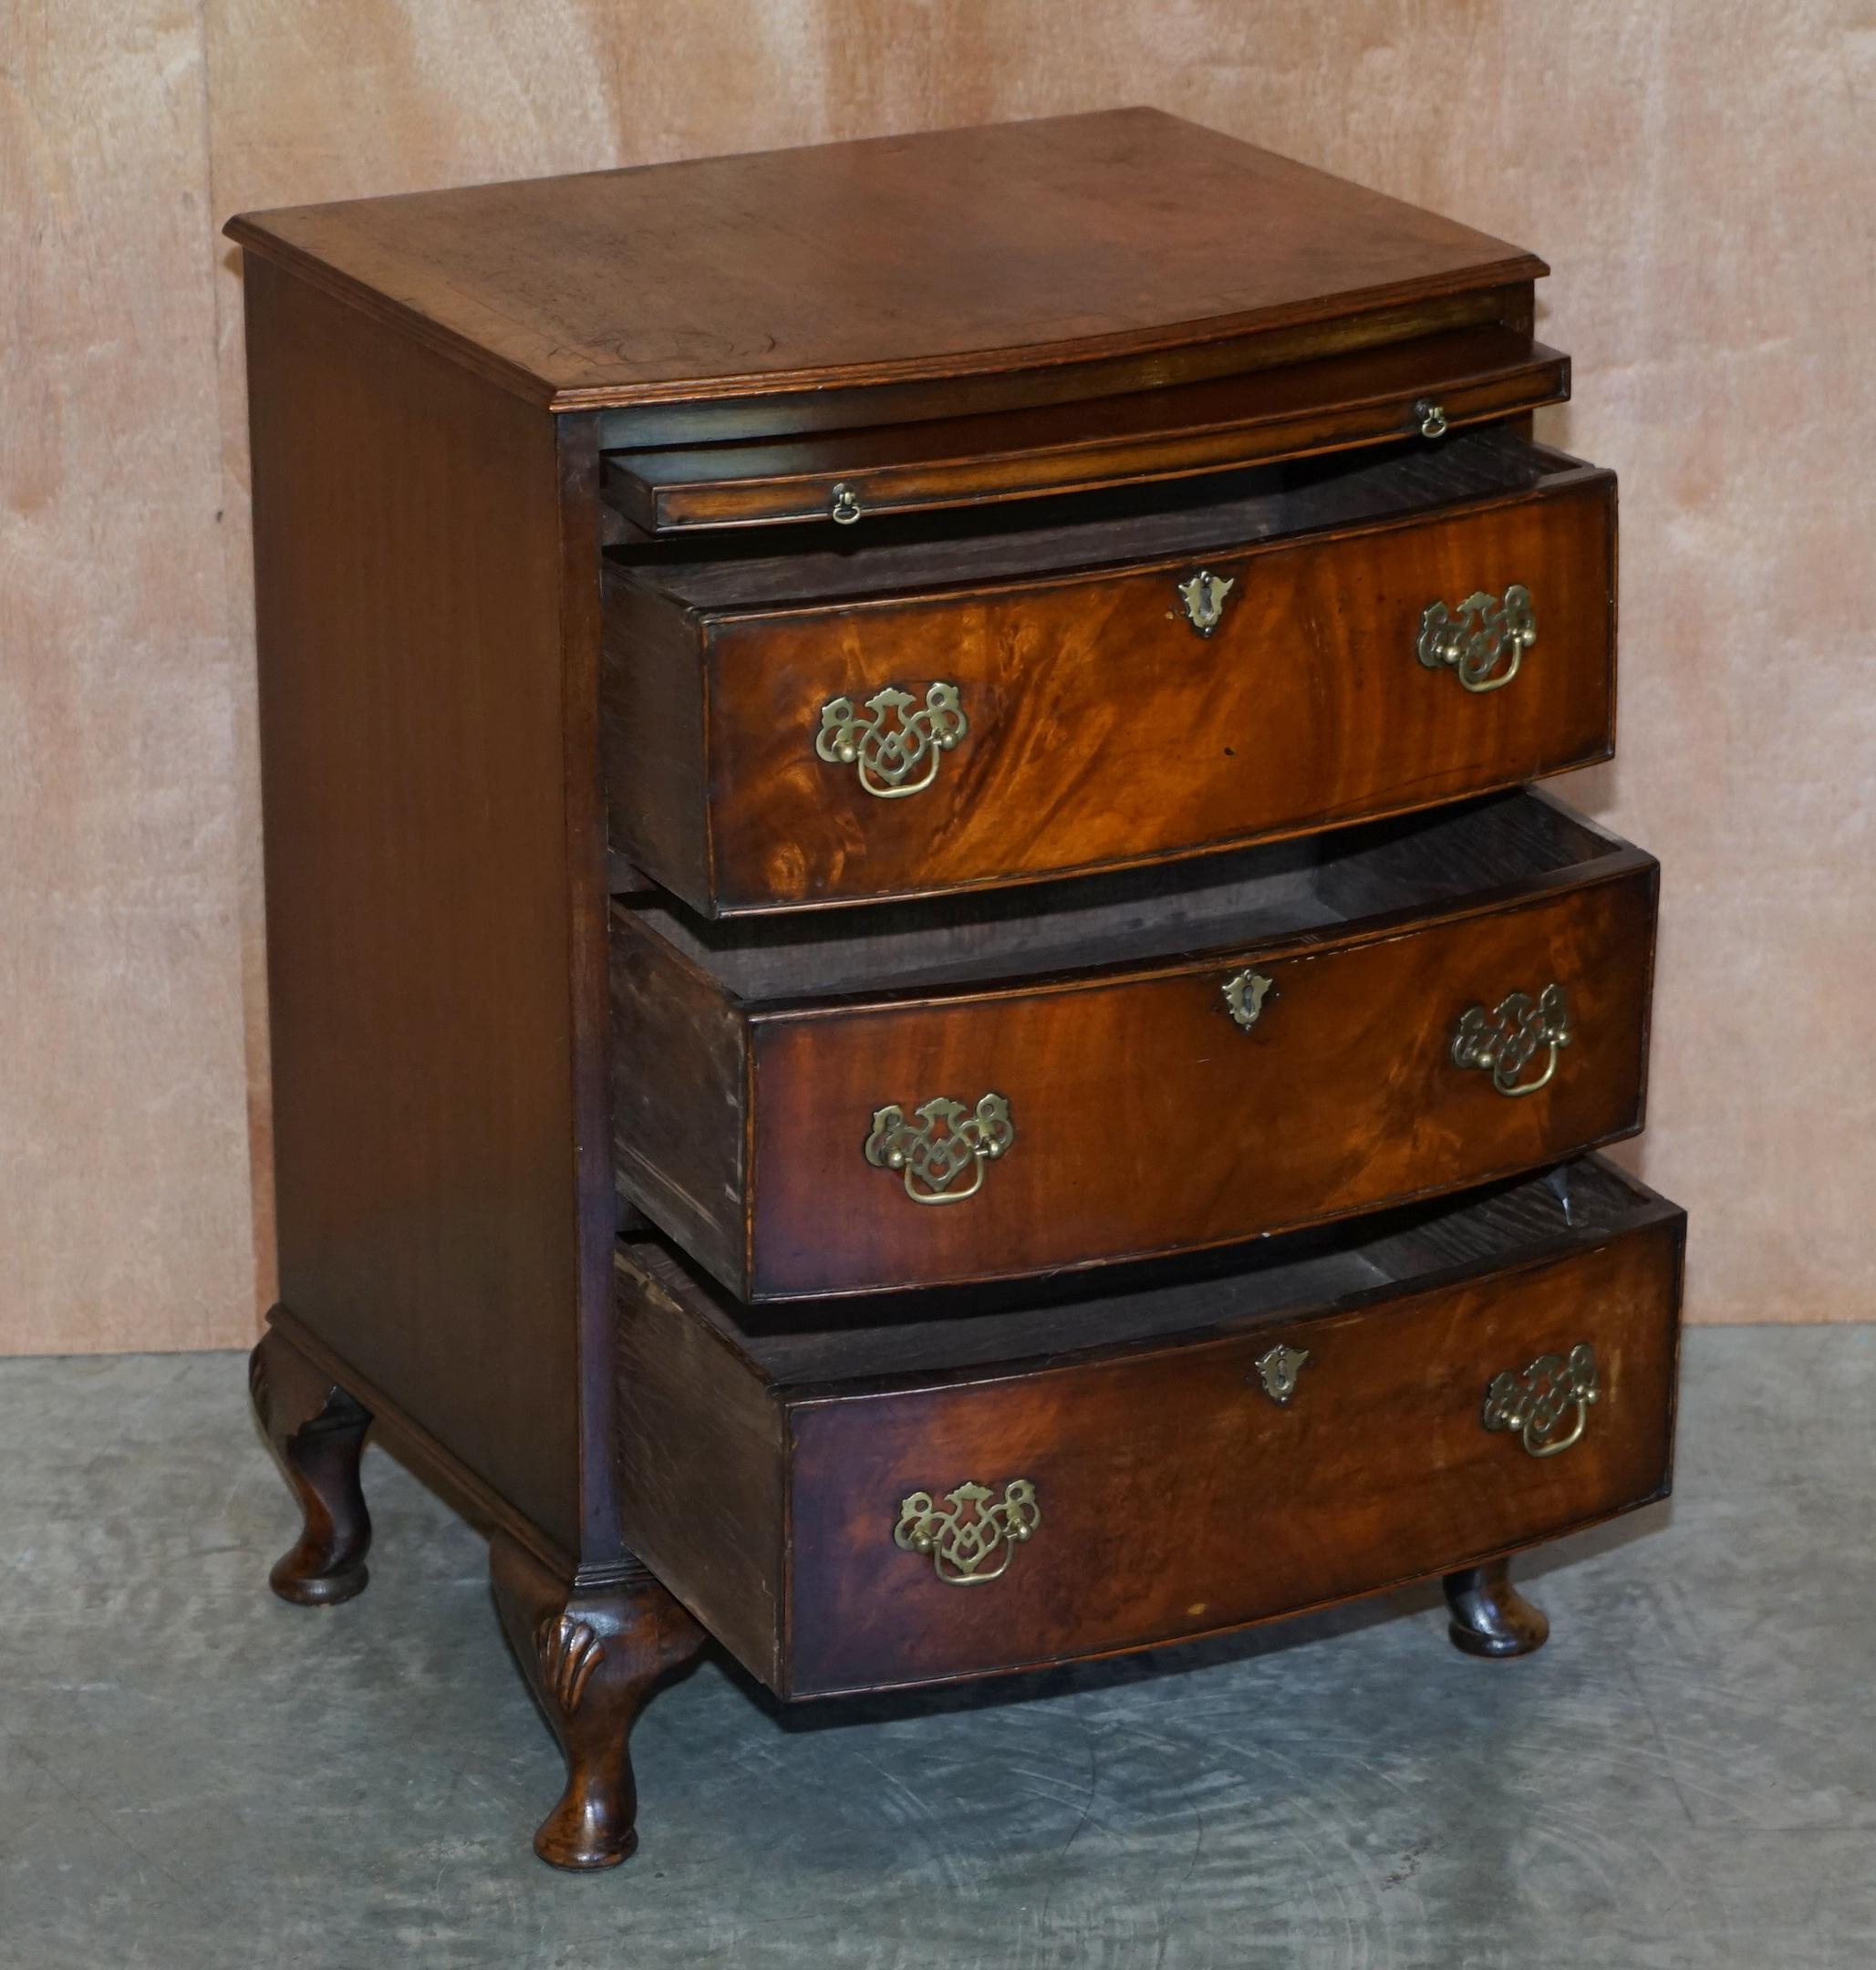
(1490, 1617)
(318, 1432)
(592, 1656)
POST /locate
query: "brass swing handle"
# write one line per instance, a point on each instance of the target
(895, 750)
(1478, 636)
(945, 1143)
(973, 1542)
(1548, 1406)
(1503, 1042)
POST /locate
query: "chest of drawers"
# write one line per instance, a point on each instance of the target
(923, 1020)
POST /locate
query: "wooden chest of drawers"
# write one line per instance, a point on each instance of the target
(922, 1019)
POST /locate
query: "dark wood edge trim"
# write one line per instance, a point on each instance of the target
(684, 422)
(793, 1694)
(1614, 684)
(247, 233)
(1520, 269)
(1581, 482)
(470, 1494)
(1566, 1247)
(589, 1021)
(1646, 1041)
(785, 1573)
(1620, 862)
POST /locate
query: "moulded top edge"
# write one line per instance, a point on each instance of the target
(941, 255)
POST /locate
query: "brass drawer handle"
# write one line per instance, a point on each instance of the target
(1430, 417)
(964, 1542)
(1535, 1404)
(947, 1141)
(1203, 599)
(1474, 640)
(1502, 1042)
(893, 743)
(842, 508)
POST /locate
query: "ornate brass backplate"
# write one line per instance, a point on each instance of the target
(973, 1543)
(1501, 1043)
(1277, 1369)
(1536, 1405)
(948, 1142)
(1482, 633)
(896, 749)
(1203, 599)
(1244, 993)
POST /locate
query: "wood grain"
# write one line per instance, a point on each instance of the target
(1341, 1098)
(426, 1039)
(1103, 729)
(524, 280)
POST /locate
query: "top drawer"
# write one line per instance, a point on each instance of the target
(1333, 643)
(1363, 395)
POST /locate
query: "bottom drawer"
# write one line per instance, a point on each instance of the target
(852, 1500)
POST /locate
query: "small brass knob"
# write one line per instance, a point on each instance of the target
(1432, 418)
(845, 508)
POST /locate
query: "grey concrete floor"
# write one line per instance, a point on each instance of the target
(193, 1774)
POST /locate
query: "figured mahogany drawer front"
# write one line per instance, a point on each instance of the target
(920, 1526)
(852, 1143)
(766, 754)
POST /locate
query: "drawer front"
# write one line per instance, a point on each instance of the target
(1190, 1106)
(1167, 1494)
(1098, 721)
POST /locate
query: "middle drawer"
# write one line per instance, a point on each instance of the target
(1136, 1064)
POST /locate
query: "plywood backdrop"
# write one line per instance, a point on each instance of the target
(1698, 174)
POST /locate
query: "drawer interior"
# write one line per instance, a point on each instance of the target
(797, 1345)
(1411, 866)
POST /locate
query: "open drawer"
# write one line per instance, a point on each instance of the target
(1429, 384)
(1132, 1065)
(849, 1499)
(1326, 642)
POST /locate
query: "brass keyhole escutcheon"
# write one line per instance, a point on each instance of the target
(1244, 993)
(1202, 598)
(1277, 1369)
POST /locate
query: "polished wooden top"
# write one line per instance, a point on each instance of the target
(893, 259)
